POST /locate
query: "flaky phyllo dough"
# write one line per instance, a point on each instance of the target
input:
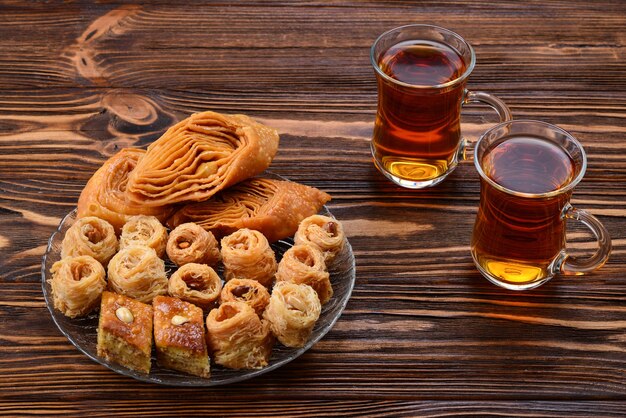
(144, 230)
(292, 313)
(137, 272)
(189, 243)
(322, 232)
(273, 207)
(237, 338)
(304, 264)
(248, 291)
(195, 283)
(200, 156)
(247, 255)
(105, 195)
(90, 236)
(77, 284)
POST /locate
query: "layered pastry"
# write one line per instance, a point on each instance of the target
(90, 236)
(195, 283)
(189, 243)
(77, 284)
(137, 272)
(322, 232)
(144, 230)
(179, 336)
(304, 264)
(247, 254)
(292, 313)
(247, 291)
(200, 156)
(125, 332)
(273, 207)
(237, 337)
(105, 196)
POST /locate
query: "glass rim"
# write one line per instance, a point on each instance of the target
(468, 69)
(569, 186)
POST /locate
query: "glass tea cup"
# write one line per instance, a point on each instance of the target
(528, 170)
(421, 72)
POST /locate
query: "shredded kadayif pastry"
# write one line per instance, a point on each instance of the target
(247, 254)
(189, 243)
(274, 207)
(105, 195)
(292, 313)
(137, 272)
(90, 236)
(304, 264)
(248, 291)
(144, 230)
(322, 232)
(237, 337)
(77, 284)
(200, 156)
(195, 283)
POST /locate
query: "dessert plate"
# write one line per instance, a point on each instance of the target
(82, 332)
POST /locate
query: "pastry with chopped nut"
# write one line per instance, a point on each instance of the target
(125, 332)
(179, 336)
(322, 232)
(189, 243)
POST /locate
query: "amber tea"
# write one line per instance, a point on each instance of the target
(422, 72)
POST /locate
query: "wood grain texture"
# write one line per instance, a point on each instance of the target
(424, 334)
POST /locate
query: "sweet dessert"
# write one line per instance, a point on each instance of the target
(105, 196)
(137, 272)
(179, 336)
(247, 254)
(237, 337)
(274, 207)
(199, 156)
(248, 291)
(144, 230)
(195, 283)
(90, 236)
(125, 332)
(292, 313)
(322, 232)
(304, 264)
(189, 243)
(77, 284)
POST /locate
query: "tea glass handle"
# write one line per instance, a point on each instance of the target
(572, 265)
(492, 101)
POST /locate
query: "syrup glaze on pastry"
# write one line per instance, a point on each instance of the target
(274, 207)
(200, 156)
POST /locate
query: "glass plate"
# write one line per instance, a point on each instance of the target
(82, 332)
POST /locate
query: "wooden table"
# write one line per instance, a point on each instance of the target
(424, 333)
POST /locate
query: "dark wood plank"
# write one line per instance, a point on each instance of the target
(422, 326)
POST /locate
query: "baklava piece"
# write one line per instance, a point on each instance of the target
(90, 236)
(248, 291)
(195, 283)
(179, 336)
(247, 254)
(77, 284)
(125, 332)
(189, 243)
(144, 230)
(322, 232)
(304, 264)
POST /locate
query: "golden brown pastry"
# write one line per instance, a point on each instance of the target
(273, 207)
(105, 195)
(322, 232)
(125, 332)
(248, 291)
(179, 336)
(90, 236)
(247, 254)
(137, 272)
(237, 337)
(77, 284)
(144, 230)
(200, 156)
(195, 283)
(292, 313)
(304, 264)
(189, 243)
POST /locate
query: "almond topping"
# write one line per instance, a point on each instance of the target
(124, 314)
